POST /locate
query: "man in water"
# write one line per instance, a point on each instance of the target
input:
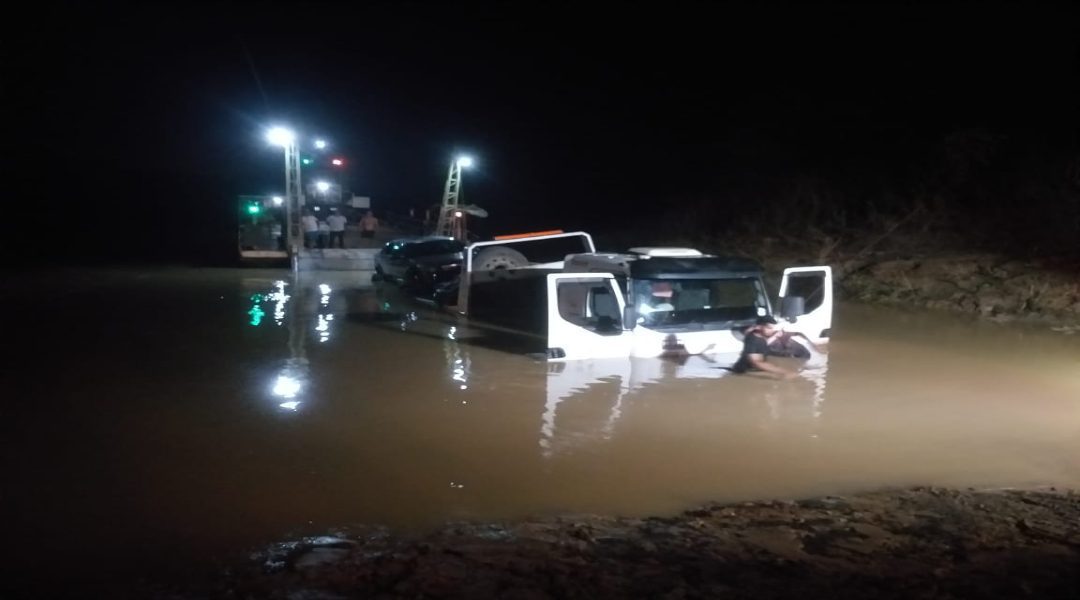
(756, 346)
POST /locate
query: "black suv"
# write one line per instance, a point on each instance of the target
(420, 264)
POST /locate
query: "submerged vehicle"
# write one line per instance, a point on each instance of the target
(419, 264)
(579, 303)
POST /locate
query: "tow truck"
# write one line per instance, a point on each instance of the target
(647, 302)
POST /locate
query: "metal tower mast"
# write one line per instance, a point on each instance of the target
(447, 225)
(451, 218)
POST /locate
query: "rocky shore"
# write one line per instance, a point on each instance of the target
(913, 543)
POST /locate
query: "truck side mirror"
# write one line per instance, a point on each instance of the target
(629, 317)
(791, 307)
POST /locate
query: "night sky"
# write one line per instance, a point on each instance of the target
(135, 128)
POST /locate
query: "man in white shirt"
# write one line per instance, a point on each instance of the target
(311, 230)
(323, 234)
(336, 221)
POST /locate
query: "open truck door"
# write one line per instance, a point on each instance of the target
(585, 316)
(806, 301)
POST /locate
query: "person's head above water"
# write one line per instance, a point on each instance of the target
(766, 325)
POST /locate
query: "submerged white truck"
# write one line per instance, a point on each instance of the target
(577, 303)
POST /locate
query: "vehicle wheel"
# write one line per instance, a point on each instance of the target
(411, 280)
(499, 257)
(446, 295)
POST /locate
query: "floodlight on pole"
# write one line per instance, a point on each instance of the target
(451, 221)
(286, 139)
(320, 144)
(322, 186)
(280, 136)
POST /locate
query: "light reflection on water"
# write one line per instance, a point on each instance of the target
(279, 298)
(632, 377)
(295, 373)
(353, 405)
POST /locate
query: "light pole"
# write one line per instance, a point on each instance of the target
(280, 136)
(338, 168)
(451, 219)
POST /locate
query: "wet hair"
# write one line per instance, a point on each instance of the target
(766, 320)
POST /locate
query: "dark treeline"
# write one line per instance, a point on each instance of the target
(972, 190)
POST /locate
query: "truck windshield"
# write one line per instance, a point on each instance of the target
(705, 303)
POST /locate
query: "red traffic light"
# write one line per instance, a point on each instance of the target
(337, 162)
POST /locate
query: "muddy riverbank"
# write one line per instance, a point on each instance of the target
(919, 271)
(913, 543)
(986, 285)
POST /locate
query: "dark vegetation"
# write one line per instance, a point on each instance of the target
(973, 190)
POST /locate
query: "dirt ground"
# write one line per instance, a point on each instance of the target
(990, 286)
(915, 543)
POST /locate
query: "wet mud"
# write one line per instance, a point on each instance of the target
(914, 543)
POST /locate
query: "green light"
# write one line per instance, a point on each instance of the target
(254, 209)
(256, 314)
(306, 161)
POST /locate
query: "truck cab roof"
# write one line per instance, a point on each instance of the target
(665, 251)
(694, 267)
(665, 263)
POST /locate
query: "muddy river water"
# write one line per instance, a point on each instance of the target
(155, 419)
